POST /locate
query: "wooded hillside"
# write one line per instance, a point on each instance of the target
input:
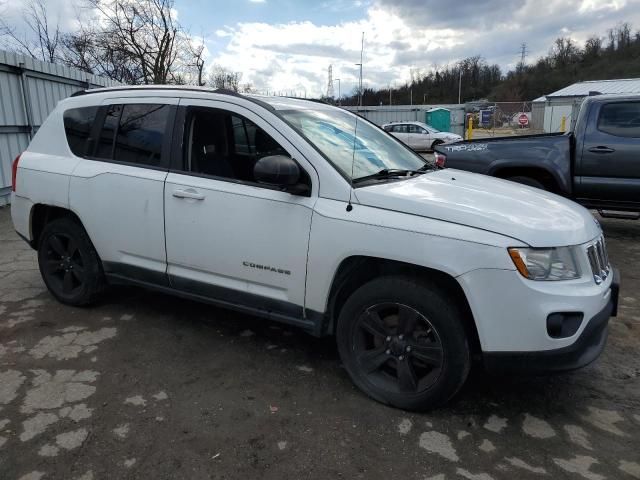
(615, 56)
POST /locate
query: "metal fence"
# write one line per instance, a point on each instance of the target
(410, 113)
(500, 119)
(29, 91)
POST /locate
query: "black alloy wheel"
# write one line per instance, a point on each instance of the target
(398, 348)
(403, 341)
(63, 266)
(69, 263)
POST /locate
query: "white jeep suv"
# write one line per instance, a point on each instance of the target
(305, 214)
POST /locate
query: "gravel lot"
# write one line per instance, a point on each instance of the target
(149, 386)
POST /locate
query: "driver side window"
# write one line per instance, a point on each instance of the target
(224, 144)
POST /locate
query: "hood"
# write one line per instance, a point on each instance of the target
(535, 217)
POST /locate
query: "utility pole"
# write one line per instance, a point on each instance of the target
(339, 95)
(460, 85)
(411, 96)
(424, 98)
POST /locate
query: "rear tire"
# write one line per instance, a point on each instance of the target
(403, 343)
(529, 181)
(69, 265)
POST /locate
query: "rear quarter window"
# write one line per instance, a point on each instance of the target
(620, 119)
(78, 123)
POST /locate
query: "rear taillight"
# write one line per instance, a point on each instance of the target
(441, 158)
(14, 173)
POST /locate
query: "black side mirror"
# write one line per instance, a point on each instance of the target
(277, 170)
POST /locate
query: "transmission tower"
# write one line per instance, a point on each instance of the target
(523, 53)
(330, 83)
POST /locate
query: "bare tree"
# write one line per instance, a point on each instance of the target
(135, 42)
(40, 39)
(222, 78)
(143, 31)
(593, 47)
(196, 53)
(564, 52)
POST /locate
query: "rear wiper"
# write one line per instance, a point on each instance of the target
(388, 173)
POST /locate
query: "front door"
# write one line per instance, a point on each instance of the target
(608, 171)
(229, 237)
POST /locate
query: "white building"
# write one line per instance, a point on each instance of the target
(566, 101)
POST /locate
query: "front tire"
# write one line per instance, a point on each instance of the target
(403, 343)
(435, 144)
(69, 265)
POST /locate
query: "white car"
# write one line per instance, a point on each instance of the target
(420, 136)
(306, 214)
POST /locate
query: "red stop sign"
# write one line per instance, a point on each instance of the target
(523, 119)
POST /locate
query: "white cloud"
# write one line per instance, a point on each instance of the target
(296, 56)
(405, 34)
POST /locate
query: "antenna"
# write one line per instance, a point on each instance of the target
(353, 162)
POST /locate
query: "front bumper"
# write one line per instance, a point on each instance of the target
(586, 348)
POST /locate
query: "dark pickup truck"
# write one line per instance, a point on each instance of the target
(597, 165)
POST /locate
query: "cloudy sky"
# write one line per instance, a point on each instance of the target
(288, 45)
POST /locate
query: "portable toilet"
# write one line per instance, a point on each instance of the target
(439, 118)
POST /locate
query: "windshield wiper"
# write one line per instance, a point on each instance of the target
(388, 173)
(427, 166)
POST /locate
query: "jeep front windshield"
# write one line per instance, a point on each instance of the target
(356, 154)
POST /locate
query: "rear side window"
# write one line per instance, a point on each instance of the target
(140, 134)
(620, 119)
(78, 123)
(133, 133)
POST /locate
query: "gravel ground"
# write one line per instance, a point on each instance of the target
(148, 386)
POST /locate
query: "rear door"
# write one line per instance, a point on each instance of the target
(608, 171)
(419, 139)
(401, 132)
(117, 190)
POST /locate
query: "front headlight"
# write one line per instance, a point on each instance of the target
(556, 263)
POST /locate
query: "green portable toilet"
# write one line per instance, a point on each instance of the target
(439, 118)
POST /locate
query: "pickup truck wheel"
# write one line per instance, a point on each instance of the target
(531, 182)
(403, 343)
(70, 266)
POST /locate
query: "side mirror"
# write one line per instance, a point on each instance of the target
(277, 170)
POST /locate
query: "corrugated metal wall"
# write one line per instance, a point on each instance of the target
(29, 90)
(410, 113)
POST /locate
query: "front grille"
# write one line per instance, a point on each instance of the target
(599, 260)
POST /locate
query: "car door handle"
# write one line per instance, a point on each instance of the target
(601, 149)
(188, 193)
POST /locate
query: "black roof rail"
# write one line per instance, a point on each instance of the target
(314, 100)
(221, 91)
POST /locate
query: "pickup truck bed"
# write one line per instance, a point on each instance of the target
(597, 165)
(545, 158)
